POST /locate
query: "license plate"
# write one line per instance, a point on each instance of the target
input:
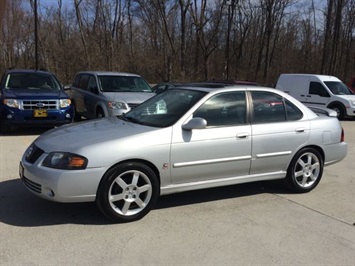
(40, 113)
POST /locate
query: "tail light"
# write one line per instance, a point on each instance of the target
(342, 138)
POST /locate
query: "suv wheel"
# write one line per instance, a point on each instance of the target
(4, 128)
(100, 113)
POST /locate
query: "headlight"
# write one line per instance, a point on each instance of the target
(65, 160)
(117, 105)
(352, 103)
(64, 103)
(11, 103)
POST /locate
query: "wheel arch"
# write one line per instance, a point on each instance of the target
(102, 106)
(317, 148)
(335, 103)
(146, 162)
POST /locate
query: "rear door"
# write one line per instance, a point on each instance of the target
(278, 131)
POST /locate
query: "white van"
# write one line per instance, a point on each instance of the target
(319, 91)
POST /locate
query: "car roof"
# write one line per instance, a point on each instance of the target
(28, 71)
(109, 73)
(234, 82)
(226, 88)
(320, 77)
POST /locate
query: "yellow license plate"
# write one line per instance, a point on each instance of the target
(40, 113)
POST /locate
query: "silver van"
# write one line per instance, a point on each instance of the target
(99, 94)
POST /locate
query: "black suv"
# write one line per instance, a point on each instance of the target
(32, 98)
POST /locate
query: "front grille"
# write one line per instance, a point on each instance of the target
(40, 104)
(32, 185)
(33, 153)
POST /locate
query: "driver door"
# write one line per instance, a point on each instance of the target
(221, 150)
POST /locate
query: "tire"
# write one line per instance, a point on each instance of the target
(77, 117)
(340, 111)
(305, 170)
(5, 129)
(100, 113)
(127, 192)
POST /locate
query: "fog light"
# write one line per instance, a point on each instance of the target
(67, 115)
(9, 116)
(48, 192)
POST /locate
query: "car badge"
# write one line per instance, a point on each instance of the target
(40, 105)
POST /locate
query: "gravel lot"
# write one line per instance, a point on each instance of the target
(260, 223)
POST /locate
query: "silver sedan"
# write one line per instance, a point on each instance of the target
(183, 139)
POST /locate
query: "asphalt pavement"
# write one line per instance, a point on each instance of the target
(252, 224)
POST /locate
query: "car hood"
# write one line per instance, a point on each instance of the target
(129, 97)
(347, 97)
(74, 137)
(34, 93)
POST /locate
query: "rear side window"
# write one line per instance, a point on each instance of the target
(292, 112)
(270, 108)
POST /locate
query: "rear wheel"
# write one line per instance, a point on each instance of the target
(305, 170)
(127, 192)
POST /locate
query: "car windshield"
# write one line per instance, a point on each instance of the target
(123, 84)
(29, 81)
(164, 109)
(338, 88)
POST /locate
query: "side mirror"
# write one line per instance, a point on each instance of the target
(66, 87)
(195, 123)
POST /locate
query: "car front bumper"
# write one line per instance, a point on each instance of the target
(60, 185)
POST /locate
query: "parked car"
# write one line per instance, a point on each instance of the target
(32, 98)
(319, 90)
(352, 84)
(100, 94)
(159, 88)
(183, 139)
(163, 86)
(234, 82)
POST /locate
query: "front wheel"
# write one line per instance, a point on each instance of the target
(340, 111)
(100, 113)
(305, 170)
(5, 129)
(127, 192)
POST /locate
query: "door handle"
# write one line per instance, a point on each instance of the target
(242, 136)
(300, 130)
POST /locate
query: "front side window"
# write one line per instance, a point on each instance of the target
(83, 83)
(92, 84)
(317, 88)
(225, 109)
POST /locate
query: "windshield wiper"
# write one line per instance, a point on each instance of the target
(133, 120)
